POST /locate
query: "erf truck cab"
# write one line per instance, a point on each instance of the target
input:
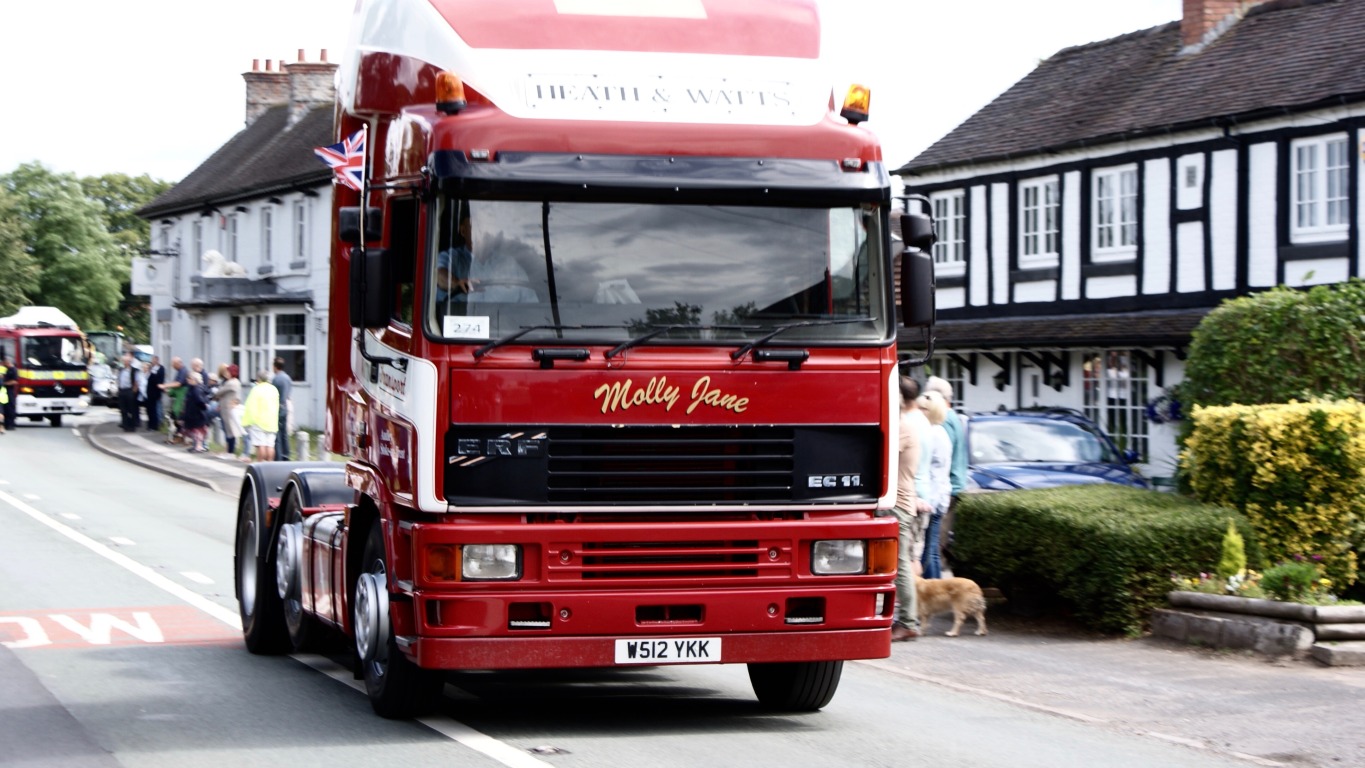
(612, 356)
(49, 351)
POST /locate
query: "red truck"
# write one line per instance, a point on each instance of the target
(613, 356)
(49, 351)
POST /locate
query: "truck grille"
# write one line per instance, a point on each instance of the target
(602, 561)
(631, 467)
(702, 464)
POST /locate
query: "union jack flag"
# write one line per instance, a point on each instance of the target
(347, 159)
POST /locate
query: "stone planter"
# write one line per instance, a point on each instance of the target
(1332, 634)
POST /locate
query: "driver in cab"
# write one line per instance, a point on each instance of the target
(491, 276)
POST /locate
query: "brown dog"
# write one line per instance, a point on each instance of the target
(962, 596)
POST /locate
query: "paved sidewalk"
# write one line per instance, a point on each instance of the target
(150, 450)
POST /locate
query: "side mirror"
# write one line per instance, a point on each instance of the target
(917, 289)
(348, 225)
(371, 288)
(917, 230)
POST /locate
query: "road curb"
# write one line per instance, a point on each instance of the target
(88, 432)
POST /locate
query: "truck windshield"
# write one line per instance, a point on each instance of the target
(53, 352)
(616, 272)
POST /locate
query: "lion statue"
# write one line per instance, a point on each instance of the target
(216, 265)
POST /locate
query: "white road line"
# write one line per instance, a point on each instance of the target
(213, 609)
(451, 729)
(71, 515)
(196, 577)
(123, 541)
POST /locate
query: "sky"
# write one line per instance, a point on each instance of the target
(155, 86)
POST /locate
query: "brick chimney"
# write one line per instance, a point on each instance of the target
(311, 85)
(264, 88)
(1204, 20)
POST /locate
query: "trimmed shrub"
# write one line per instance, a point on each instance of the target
(1297, 471)
(1280, 345)
(1107, 552)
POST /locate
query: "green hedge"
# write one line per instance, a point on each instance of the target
(1106, 552)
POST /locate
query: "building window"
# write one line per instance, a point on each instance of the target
(1039, 222)
(267, 232)
(300, 231)
(955, 374)
(258, 339)
(950, 226)
(232, 237)
(163, 337)
(1319, 189)
(1117, 387)
(1115, 214)
(198, 240)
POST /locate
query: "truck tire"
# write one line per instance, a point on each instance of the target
(306, 633)
(397, 688)
(55, 420)
(804, 686)
(258, 597)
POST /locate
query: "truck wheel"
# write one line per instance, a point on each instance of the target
(306, 633)
(56, 420)
(397, 687)
(796, 686)
(258, 598)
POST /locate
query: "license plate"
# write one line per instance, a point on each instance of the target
(674, 650)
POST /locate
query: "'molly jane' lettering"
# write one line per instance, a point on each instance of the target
(619, 395)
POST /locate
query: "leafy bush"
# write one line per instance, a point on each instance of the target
(1297, 471)
(1291, 580)
(1107, 552)
(1279, 345)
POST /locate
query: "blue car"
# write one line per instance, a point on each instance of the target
(1008, 450)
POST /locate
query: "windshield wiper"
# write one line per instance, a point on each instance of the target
(511, 337)
(744, 350)
(623, 346)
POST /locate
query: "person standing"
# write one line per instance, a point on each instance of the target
(129, 382)
(261, 416)
(285, 386)
(195, 416)
(957, 469)
(931, 479)
(911, 512)
(156, 376)
(229, 395)
(9, 380)
(175, 388)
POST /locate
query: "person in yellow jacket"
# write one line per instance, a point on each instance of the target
(4, 391)
(261, 416)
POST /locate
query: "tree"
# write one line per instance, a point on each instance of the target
(121, 196)
(19, 269)
(65, 234)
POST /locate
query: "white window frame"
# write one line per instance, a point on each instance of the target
(1319, 189)
(232, 228)
(1114, 213)
(1040, 210)
(301, 231)
(198, 240)
(255, 343)
(950, 227)
(267, 233)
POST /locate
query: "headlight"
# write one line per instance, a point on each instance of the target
(490, 562)
(838, 557)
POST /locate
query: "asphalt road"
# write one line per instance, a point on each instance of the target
(118, 647)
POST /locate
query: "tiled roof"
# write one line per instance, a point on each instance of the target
(268, 155)
(1286, 55)
(1158, 328)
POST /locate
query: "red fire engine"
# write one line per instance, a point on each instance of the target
(612, 356)
(48, 349)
